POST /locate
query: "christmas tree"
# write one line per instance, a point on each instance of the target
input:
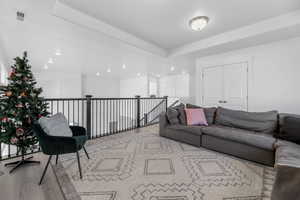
(20, 106)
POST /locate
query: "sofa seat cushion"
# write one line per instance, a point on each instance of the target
(287, 154)
(260, 140)
(265, 122)
(195, 130)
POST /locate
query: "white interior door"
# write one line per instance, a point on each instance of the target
(212, 86)
(226, 86)
(235, 86)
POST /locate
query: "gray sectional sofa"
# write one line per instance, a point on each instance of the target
(247, 135)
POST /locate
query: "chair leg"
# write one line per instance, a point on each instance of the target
(45, 170)
(56, 159)
(79, 167)
(86, 153)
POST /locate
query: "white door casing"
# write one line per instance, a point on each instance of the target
(226, 86)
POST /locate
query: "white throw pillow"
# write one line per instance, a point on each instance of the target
(57, 125)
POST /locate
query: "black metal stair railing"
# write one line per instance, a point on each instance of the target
(152, 117)
(100, 116)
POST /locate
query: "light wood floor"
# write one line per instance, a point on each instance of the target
(23, 183)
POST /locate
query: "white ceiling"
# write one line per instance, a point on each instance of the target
(164, 22)
(83, 50)
(89, 49)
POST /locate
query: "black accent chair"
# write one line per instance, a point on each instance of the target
(56, 145)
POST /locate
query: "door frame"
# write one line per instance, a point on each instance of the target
(210, 62)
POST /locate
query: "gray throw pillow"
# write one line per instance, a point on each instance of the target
(210, 113)
(172, 115)
(57, 125)
(181, 112)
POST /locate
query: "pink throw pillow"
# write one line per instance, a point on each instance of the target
(195, 116)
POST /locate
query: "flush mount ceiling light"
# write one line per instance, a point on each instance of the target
(98, 74)
(172, 68)
(198, 23)
(124, 66)
(58, 52)
(50, 61)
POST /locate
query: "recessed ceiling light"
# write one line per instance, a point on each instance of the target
(46, 67)
(172, 68)
(58, 52)
(158, 75)
(138, 74)
(108, 70)
(50, 61)
(124, 66)
(198, 23)
(98, 74)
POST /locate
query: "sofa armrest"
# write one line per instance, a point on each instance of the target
(287, 165)
(287, 183)
(163, 123)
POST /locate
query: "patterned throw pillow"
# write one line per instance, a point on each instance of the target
(209, 113)
(195, 116)
(57, 125)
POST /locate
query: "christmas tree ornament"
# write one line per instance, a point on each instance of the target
(14, 140)
(19, 105)
(19, 132)
(23, 94)
(8, 93)
(12, 74)
(17, 112)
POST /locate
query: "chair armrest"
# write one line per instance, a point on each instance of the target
(78, 130)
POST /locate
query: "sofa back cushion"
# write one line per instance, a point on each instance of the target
(290, 129)
(209, 113)
(265, 122)
(281, 120)
(195, 116)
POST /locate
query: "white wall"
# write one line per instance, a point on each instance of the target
(3, 67)
(60, 85)
(131, 87)
(101, 86)
(274, 74)
(177, 85)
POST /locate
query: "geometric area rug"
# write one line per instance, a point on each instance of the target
(144, 166)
